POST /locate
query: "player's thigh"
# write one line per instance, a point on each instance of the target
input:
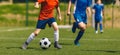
(41, 24)
(53, 23)
(81, 21)
(77, 18)
(55, 26)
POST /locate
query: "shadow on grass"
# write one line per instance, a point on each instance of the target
(32, 48)
(18, 48)
(109, 51)
(66, 43)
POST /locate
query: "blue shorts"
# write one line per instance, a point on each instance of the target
(41, 24)
(79, 18)
(98, 19)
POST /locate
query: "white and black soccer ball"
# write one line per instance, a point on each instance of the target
(45, 43)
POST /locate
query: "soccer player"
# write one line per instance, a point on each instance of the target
(80, 16)
(98, 10)
(46, 17)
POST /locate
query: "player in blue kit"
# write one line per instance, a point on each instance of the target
(98, 10)
(80, 16)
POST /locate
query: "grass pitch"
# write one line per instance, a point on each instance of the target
(12, 38)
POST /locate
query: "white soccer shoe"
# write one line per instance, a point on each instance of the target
(96, 32)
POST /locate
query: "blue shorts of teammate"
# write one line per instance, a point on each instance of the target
(79, 18)
(41, 24)
(98, 19)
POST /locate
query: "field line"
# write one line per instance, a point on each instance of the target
(14, 29)
(64, 26)
(18, 29)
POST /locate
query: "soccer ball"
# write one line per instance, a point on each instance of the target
(45, 43)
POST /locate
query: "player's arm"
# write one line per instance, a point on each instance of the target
(37, 3)
(103, 13)
(93, 11)
(59, 13)
(69, 7)
(89, 11)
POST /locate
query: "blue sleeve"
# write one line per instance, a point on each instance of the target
(102, 7)
(89, 3)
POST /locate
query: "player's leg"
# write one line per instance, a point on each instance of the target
(82, 26)
(96, 27)
(75, 25)
(56, 33)
(30, 38)
(32, 35)
(101, 27)
(40, 25)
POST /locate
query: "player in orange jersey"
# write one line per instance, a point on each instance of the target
(46, 17)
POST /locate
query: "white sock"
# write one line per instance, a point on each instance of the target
(56, 35)
(30, 38)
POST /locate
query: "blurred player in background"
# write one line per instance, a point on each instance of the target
(98, 10)
(80, 16)
(46, 17)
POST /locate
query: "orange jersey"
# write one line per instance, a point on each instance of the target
(47, 8)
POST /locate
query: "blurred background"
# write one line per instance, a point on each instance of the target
(23, 13)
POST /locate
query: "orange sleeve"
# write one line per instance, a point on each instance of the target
(57, 3)
(40, 1)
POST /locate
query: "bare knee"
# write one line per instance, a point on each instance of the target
(82, 26)
(36, 32)
(56, 29)
(55, 26)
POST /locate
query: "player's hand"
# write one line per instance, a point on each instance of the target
(60, 19)
(103, 15)
(68, 13)
(36, 5)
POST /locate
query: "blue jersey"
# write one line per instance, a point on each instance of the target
(98, 11)
(80, 6)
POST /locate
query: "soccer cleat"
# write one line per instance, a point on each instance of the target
(25, 46)
(96, 32)
(74, 27)
(101, 31)
(76, 43)
(56, 45)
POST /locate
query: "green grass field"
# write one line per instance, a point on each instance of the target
(12, 38)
